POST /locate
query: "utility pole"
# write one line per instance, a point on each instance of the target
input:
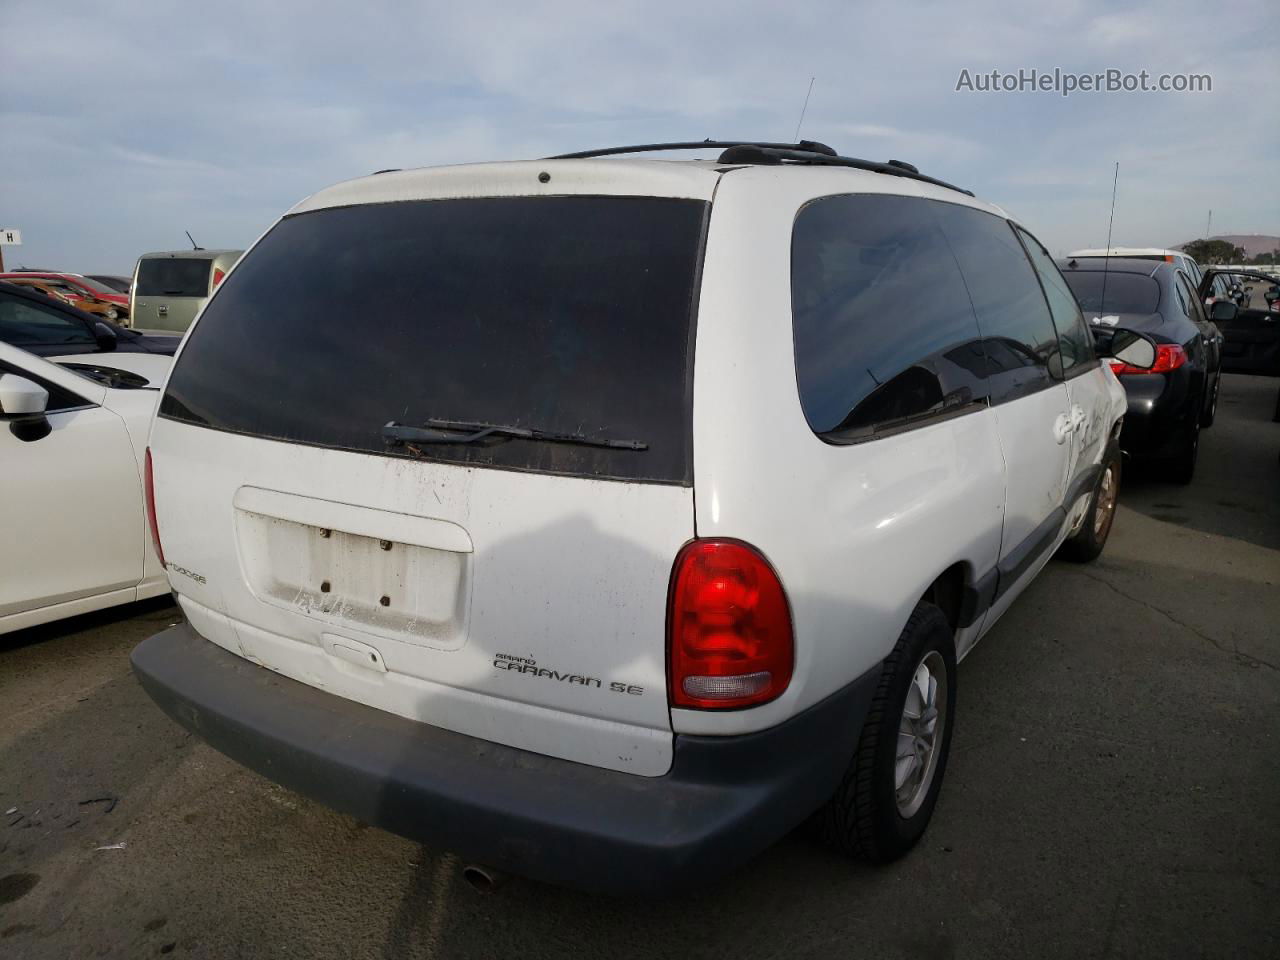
(1208, 224)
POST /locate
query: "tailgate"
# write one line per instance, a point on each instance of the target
(530, 614)
(445, 471)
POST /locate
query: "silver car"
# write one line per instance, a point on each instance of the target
(169, 288)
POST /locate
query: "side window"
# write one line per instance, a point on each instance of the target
(884, 333)
(1179, 291)
(1074, 338)
(23, 323)
(1018, 335)
(1195, 307)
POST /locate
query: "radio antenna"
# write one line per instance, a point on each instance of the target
(800, 123)
(194, 245)
(1106, 260)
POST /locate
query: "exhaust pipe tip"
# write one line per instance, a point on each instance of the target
(482, 879)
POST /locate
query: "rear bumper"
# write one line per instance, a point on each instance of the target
(1160, 415)
(724, 800)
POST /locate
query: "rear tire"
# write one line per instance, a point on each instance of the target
(887, 796)
(1212, 412)
(1087, 542)
(1182, 467)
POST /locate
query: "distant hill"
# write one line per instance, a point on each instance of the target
(1253, 243)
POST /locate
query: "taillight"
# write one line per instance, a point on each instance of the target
(149, 486)
(729, 638)
(217, 276)
(1169, 356)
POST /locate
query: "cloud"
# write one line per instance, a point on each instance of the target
(217, 121)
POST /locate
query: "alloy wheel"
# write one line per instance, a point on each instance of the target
(920, 733)
(1105, 509)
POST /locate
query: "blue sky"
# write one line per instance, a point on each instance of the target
(123, 128)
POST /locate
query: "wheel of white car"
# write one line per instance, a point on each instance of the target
(1087, 543)
(885, 801)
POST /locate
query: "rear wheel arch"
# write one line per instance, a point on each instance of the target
(947, 592)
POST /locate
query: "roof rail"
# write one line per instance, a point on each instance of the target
(746, 151)
(811, 145)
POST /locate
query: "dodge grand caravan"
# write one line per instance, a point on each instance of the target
(646, 519)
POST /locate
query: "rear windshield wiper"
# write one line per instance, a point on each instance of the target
(454, 431)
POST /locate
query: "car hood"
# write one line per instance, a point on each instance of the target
(152, 367)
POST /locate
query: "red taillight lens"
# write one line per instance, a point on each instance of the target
(729, 638)
(217, 276)
(149, 486)
(1169, 356)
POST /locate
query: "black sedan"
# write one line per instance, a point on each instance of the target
(46, 327)
(1171, 402)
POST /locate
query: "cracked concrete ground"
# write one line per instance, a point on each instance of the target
(1112, 790)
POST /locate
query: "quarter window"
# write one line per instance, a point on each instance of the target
(1018, 335)
(884, 333)
(1074, 339)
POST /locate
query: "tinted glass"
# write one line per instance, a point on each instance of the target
(1018, 333)
(1195, 307)
(173, 277)
(1179, 293)
(884, 333)
(94, 286)
(23, 323)
(118, 284)
(562, 314)
(1124, 293)
(1074, 338)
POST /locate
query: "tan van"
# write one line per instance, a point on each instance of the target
(169, 288)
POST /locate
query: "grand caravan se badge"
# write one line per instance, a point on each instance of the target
(529, 667)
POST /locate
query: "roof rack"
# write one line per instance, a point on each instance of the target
(746, 151)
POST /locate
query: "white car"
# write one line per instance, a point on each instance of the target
(72, 441)
(1185, 263)
(646, 515)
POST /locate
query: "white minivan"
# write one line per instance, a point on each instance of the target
(603, 519)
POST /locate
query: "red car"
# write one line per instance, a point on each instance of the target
(93, 290)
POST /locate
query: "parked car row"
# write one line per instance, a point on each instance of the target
(1205, 322)
(166, 291)
(80, 291)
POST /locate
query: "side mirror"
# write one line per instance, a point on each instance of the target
(1127, 346)
(1223, 311)
(20, 397)
(105, 336)
(22, 404)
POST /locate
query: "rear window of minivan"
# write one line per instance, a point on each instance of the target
(570, 315)
(173, 277)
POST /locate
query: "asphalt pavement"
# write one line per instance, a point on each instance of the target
(1112, 791)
